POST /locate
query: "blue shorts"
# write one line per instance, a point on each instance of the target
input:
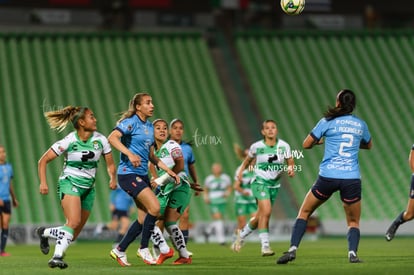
(133, 184)
(349, 189)
(412, 187)
(6, 208)
(118, 214)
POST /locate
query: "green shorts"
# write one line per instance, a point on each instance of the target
(245, 209)
(87, 196)
(177, 199)
(217, 208)
(264, 192)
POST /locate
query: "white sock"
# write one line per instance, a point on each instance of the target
(246, 231)
(158, 239)
(292, 248)
(63, 241)
(52, 232)
(220, 231)
(264, 239)
(178, 240)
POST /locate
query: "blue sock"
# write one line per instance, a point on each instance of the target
(299, 229)
(148, 227)
(185, 234)
(4, 236)
(353, 239)
(133, 232)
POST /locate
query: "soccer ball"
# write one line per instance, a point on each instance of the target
(292, 7)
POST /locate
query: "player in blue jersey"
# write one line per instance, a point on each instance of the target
(82, 150)
(408, 213)
(344, 135)
(120, 205)
(133, 137)
(6, 193)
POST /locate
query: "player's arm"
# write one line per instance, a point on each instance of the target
(246, 162)
(156, 161)
(411, 159)
(114, 139)
(12, 194)
(290, 169)
(367, 145)
(310, 141)
(111, 169)
(47, 157)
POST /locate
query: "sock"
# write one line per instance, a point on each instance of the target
(4, 236)
(264, 238)
(220, 231)
(299, 229)
(158, 240)
(400, 219)
(52, 232)
(247, 229)
(185, 234)
(133, 232)
(147, 229)
(353, 239)
(178, 239)
(63, 241)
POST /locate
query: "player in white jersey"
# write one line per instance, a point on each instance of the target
(272, 157)
(174, 198)
(245, 202)
(218, 189)
(82, 150)
(344, 134)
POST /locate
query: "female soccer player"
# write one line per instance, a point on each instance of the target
(272, 157)
(173, 198)
(344, 134)
(82, 149)
(133, 136)
(6, 191)
(245, 202)
(217, 187)
(408, 213)
(176, 133)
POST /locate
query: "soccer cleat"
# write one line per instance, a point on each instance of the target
(165, 256)
(190, 254)
(353, 259)
(238, 243)
(120, 257)
(57, 262)
(287, 257)
(182, 260)
(146, 256)
(389, 235)
(44, 241)
(267, 251)
(4, 254)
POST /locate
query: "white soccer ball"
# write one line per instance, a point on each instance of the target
(292, 7)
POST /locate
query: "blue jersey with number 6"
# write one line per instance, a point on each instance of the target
(342, 137)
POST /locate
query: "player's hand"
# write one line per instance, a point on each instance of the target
(135, 160)
(196, 187)
(44, 189)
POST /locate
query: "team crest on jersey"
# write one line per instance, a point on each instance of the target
(176, 153)
(96, 145)
(129, 127)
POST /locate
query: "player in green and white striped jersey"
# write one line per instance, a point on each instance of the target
(82, 150)
(272, 157)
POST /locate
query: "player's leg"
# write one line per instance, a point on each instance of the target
(5, 214)
(404, 216)
(353, 215)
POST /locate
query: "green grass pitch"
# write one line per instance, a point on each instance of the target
(324, 256)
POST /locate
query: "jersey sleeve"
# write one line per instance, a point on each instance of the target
(106, 146)
(176, 151)
(319, 130)
(60, 146)
(252, 151)
(125, 126)
(366, 136)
